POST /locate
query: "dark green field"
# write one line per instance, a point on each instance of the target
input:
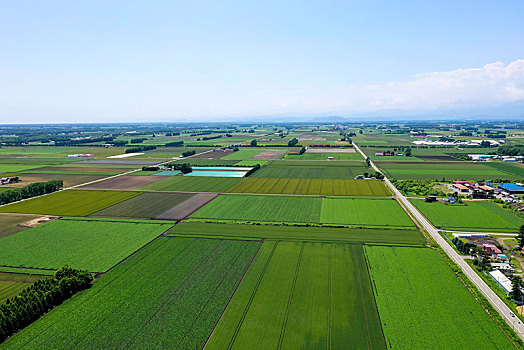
(298, 233)
(147, 205)
(169, 295)
(302, 296)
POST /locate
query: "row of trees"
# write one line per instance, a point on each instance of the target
(34, 301)
(188, 153)
(31, 190)
(252, 170)
(140, 149)
(185, 168)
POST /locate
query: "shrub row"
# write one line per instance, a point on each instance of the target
(31, 190)
(34, 301)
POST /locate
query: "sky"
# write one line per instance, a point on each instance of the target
(131, 61)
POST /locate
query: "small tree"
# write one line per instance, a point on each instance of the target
(253, 143)
(516, 281)
(520, 237)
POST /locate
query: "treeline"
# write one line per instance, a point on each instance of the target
(34, 301)
(185, 168)
(252, 170)
(140, 149)
(188, 153)
(508, 150)
(31, 190)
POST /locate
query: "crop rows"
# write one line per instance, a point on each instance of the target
(423, 305)
(302, 296)
(90, 245)
(69, 202)
(329, 187)
(170, 295)
(472, 215)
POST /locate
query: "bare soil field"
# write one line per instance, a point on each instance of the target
(124, 182)
(211, 155)
(69, 179)
(268, 155)
(330, 150)
(187, 207)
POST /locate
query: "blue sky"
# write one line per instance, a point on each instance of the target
(199, 60)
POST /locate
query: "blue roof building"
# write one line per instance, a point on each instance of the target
(512, 188)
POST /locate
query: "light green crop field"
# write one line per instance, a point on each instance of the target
(169, 295)
(324, 156)
(12, 168)
(146, 205)
(243, 154)
(193, 184)
(329, 187)
(364, 212)
(261, 208)
(423, 305)
(302, 296)
(470, 216)
(69, 202)
(13, 283)
(90, 245)
(251, 162)
(298, 233)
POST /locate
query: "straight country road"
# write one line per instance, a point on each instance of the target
(482, 286)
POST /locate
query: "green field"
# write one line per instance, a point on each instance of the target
(13, 283)
(297, 233)
(444, 170)
(302, 296)
(324, 156)
(423, 305)
(261, 208)
(91, 245)
(470, 216)
(510, 168)
(146, 205)
(69, 202)
(169, 295)
(193, 184)
(305, 172)
(364, 212)
(242, 154)
(329, 187)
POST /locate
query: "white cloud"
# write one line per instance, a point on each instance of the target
(490, 85)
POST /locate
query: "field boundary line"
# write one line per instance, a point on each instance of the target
(253, 293)
(373, 291)
(212, 296)
(330, 301)
(235, 292)
(169, 295)
(291, 297)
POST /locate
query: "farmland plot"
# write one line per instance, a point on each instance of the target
(423, 305)
(261, 208)
(89, 245)
(193, 184)
(302, 296)
(146, 205)
(298, 233)
(69, 202)
(13, 283)
(242, 154)
(310, 172)
(472, 215)
(169, 295)
(329, 187)
(364, 212)
(124, 182)
(13, 223)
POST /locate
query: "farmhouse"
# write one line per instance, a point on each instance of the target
(502, 280)
(491, 249)
(512, 188)
(461, 188)
(502, 267)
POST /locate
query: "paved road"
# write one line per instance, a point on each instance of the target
(493, 298)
